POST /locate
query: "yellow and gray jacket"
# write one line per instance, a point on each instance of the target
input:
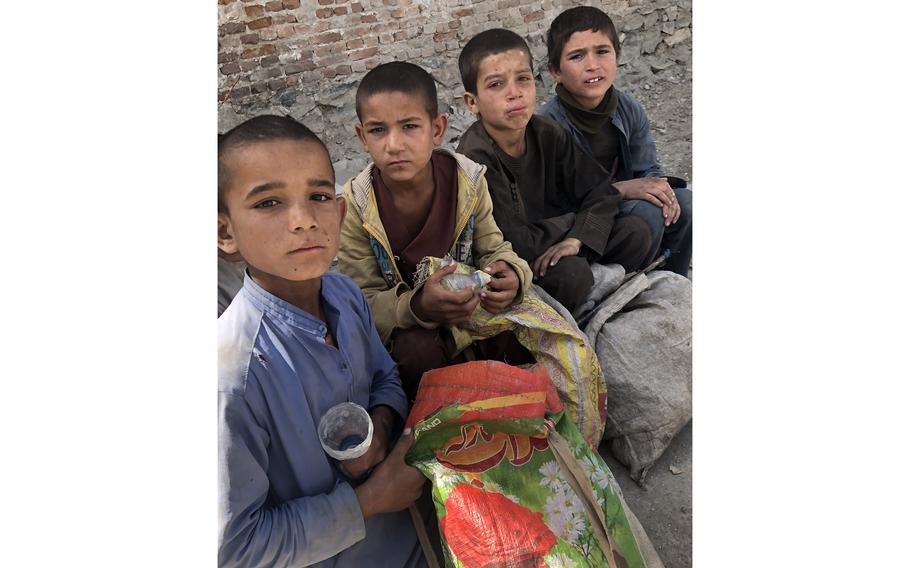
(366, 255)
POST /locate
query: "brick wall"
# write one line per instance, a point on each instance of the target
(305, 57)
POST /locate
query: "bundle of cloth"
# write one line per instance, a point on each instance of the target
(514, 483)
(555, 343)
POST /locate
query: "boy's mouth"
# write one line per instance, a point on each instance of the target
(594, 80)
(516, 110)
(309, 247)
(397, 163)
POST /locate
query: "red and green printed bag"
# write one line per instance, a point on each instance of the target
(514, 483)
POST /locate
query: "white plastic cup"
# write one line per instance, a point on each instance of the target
(345, 431)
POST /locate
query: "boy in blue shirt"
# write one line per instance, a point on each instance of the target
(611, 127)
(295, 341)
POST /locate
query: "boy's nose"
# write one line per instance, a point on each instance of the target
(300, 218)
(393, 142)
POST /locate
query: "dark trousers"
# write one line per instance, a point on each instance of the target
(571, 280)
(418, 350)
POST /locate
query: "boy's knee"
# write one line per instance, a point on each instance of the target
(652, 215)
(631, 238)
(569, 282)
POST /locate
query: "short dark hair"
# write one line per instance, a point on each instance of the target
(263, 128)
(398, 77)
(578, 19)
(484, 44)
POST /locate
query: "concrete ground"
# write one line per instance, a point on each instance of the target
(664, 505)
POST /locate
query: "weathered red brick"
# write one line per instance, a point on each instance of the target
(354, 43)
(249, 38)
(270, 60)
(232, 28)
(534, 16)
(260, 23)
(390, 2)
(254, 11)
(326, 2)
(363, 53)
(369, 18)
(284, 18)
(285, 32)
(293, 80)
(291, 4)
(327, 37)
(444, 36)
(268, 34)
(274, 6)
(356, 32)
(299, 67)
(356, 7)
(248, 64)
(343, 70)
(340, 11)
(275, 84)
(329, 73)
(240, 92)
(227, 56)
(259, 87)
(461, 13)
(400, 36)
(454, 24)
(230, 68)
(323, 12)
(273, 72)
(397, 12)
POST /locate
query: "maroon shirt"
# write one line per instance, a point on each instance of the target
(436, 235)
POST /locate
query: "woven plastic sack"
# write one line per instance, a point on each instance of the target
(514, 483)
(641, 330)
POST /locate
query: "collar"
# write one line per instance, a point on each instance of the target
(285, 311)
(590, 121)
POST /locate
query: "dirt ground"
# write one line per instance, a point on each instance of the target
(664, 505)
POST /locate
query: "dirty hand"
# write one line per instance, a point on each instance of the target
(501, 290)
(567, 247)
(383, 419)
(434, 303)
(393, 485)
(654, 190)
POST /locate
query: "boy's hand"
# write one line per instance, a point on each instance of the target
(383, 421)
(393, 485)
(435, 303)
(654, 190)
(567, 247)
(502, 289)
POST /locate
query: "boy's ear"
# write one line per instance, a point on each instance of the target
(470, 101)
(554, 72)
(360, 134)
(342, 207)
(440, 124)
(226, 242)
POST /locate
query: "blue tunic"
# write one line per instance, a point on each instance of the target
(282, 502)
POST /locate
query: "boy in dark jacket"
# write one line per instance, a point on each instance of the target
(550, 200)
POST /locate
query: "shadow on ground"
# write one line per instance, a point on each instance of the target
(664, 505)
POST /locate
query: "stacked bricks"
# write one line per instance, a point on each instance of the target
(305, 57)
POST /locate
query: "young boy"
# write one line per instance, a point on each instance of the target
(611, 128)
(551, 201)
(415, 201)
(294, 342)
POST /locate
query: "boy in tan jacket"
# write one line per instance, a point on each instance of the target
(415, 201)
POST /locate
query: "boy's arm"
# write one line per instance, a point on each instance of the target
(597, 202)
(391, 307)
(299, 532)
(528, 239)
(385, 389)
(489, 244)
(641, 145)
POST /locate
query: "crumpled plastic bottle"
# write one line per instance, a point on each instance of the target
(456, 282)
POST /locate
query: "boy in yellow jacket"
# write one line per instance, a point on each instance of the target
(414, 201)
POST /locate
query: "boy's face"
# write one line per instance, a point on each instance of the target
(283, 216)
(587, 67)
(399, 134)
(506, 95)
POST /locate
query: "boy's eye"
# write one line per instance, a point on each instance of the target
(603, 51)
(575, 56)
(265, 204)
(376, 130)
(410, 126)
(322, 197)
(494, 85)
(524, 78)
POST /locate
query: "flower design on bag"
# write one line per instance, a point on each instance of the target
(565, 514)
(551, 476)
(476, 450)
(487, 530)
